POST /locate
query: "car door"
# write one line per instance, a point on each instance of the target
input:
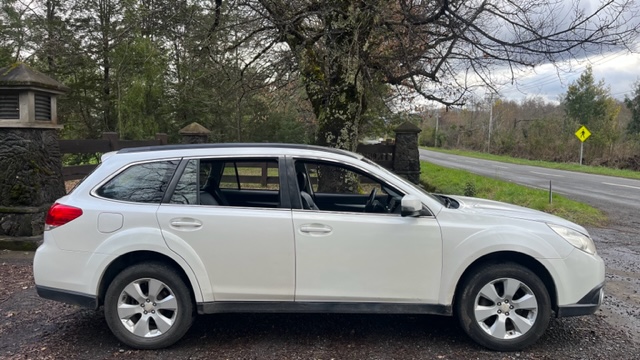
(247, 251)
(349, 256)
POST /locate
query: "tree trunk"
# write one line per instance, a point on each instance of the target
(105, 27)
(51, 18)
(337, 96)
(331, 70)
(338, 112)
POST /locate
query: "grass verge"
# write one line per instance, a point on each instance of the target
(459, 182)
(599, 170)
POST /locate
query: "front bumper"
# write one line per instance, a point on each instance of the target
(588, 305)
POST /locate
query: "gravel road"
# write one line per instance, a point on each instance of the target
(33, 328)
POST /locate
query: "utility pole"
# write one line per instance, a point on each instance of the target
(437, 123)
(490, 122)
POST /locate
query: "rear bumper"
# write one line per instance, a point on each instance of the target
(588, 305)
(69, 297)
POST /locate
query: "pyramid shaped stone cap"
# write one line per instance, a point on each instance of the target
(407, 127)
(194, 129)
(20, 76)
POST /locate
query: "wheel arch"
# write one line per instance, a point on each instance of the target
(137, 257)
(515, 257)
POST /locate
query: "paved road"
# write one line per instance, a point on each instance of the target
(596, 190)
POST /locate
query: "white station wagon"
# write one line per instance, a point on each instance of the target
(159, 234)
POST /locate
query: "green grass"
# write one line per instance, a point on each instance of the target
(599, 170)
(451, 181)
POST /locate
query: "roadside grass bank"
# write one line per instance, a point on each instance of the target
(443, 180)
(598, 170)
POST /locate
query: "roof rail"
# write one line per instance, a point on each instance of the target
(235, 145)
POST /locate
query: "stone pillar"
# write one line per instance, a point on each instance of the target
(30, 158)
(194, 133)
(31, 179)
(406, 158)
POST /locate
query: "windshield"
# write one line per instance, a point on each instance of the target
(405, 181)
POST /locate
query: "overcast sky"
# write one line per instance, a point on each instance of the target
(618, 70)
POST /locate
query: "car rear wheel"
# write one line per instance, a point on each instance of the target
(504, 307)
(148, 306)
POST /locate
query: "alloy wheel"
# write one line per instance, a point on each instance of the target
(505, 308)
(147, 307)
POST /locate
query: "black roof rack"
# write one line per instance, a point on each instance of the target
(234, 145)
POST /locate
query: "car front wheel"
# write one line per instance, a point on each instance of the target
(148, 306)
(504, 307)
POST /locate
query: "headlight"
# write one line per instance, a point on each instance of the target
(577, 239)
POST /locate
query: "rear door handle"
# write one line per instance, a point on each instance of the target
(315, 228)
(186, 223)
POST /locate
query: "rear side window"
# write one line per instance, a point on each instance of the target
(223, 182)
(144, 183)
(250, 175)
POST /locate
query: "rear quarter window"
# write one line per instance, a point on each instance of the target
(143, 183)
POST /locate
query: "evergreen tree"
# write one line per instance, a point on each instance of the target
(633, 104)
(590, 104)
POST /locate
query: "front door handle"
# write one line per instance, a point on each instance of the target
(315, 228)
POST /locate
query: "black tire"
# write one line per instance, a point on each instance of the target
(164, 319)
(503, 325)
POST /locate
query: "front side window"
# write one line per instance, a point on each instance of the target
(328, 186)
(143, 183)
(327, 178)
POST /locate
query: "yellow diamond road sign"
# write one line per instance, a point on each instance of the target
(583, 133)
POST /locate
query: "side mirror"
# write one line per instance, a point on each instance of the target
(410, 205)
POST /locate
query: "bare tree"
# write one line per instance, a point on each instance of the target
(439, 49)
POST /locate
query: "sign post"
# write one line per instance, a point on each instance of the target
(583, 134)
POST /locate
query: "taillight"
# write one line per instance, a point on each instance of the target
(60, 214)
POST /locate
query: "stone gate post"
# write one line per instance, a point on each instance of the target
(194, 133)
(406, 158)
(30, 160)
